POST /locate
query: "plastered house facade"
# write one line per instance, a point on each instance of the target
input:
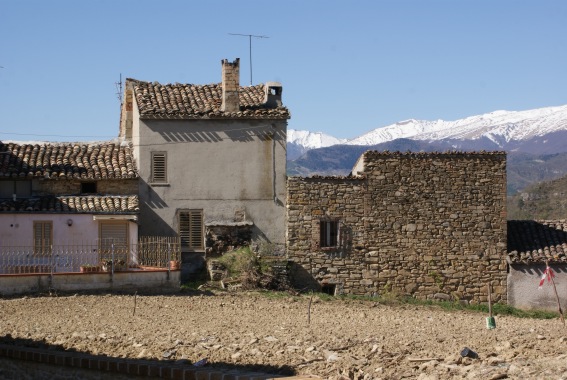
(212, 162)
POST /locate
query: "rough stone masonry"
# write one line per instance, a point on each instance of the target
(429, 225)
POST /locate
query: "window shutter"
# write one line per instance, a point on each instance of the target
(191, 229)
(113, 233)
(42, 233)
(159, 167)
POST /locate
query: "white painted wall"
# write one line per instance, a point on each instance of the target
(17, 229)
(524, 292)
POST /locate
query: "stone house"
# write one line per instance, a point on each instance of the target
(212, 162)
(532, 244)
(56, 194)
(429, 225)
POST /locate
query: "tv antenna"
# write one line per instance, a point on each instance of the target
(119, 89)
(250, 47)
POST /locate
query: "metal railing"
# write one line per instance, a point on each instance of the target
(100, 255)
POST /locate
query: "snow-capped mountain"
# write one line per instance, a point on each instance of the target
(536, 142)
(299, 142)
(500, 127)
(312, 140)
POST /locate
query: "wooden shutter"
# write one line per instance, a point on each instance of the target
(42, 238)
(191, 229)
(159, 167)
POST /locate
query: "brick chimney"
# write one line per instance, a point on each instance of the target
(230, 85)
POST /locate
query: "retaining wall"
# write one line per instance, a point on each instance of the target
(39, 283)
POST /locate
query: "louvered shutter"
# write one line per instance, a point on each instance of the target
(42, 237)
(114, 233)
(191, 229)
(159, 167)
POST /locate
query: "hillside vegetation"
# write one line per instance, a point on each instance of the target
(544, 200)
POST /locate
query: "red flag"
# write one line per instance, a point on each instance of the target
(547, 274)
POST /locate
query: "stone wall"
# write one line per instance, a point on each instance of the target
(67, 187)
(429, 225)
(224, 238)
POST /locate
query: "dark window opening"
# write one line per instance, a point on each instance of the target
(328, 289)
(20, 189)
(88, 188)
(329, 231)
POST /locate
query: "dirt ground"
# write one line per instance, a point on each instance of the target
(345, 339)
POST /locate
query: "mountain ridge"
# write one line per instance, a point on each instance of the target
(535, 140)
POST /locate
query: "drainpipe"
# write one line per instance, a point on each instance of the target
(168, 260)
(274, 166)
(112, 263)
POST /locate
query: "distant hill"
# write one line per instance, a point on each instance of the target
(544, 200)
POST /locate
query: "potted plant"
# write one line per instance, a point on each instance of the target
(109, 265)
(175, 263)
(88, 268)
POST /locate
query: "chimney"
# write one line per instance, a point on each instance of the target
(273, 94)
(230, 85)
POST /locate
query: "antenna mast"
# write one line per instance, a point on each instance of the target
(119, 89)
(250, 47)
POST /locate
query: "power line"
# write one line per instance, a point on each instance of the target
(250, 47)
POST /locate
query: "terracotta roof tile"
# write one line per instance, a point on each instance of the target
(189, 101)
(107, 160)
(92, 204)
(537, 241)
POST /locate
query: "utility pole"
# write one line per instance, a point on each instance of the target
(250, 47)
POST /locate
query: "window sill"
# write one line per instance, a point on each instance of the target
(159, 184)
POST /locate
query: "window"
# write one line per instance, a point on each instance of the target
(329, 233)
(42, 238)
(88, 188)
(191, 229)
(159, 167)
(22, 189)
(113, 240)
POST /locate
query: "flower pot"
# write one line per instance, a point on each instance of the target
(174, 265)
(89, 268)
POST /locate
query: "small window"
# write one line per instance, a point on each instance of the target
(42, 238)
(88, 188)
(113, 237)
(159, 167)
(329, 231)
(191, 229)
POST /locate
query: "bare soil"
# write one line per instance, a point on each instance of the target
(344, 339)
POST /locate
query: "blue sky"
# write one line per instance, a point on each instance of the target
(346, 67)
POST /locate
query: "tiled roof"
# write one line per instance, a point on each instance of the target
(537, 241)
(91, 204)
(107, 160)
(189, 101)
